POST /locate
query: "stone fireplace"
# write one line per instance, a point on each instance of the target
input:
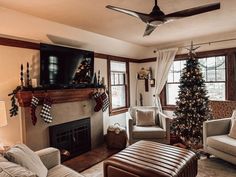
(37, 137)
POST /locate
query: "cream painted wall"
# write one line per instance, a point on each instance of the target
(137, 86)
(20, 25)
(10, 60)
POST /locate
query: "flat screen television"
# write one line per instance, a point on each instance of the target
(64, 67)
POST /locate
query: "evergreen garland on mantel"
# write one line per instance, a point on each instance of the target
(192, 104)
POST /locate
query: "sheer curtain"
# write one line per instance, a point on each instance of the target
(164, 61)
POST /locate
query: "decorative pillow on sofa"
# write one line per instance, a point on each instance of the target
(9, 169)
(25, 157)
(145, 118)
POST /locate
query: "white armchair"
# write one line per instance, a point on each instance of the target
(159, 133)
(216, 140)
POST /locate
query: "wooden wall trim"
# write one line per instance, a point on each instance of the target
(19, 43)
(36, 46)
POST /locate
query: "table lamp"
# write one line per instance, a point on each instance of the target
(3, 118)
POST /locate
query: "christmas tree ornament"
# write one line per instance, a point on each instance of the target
(33, 105)
(45, 112)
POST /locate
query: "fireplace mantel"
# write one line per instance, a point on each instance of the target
(58, 96)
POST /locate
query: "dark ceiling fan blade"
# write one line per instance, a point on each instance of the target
(193, 11)
(144, 17)
(149, 29)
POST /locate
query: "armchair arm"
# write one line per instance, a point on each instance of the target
(215, 127)
(129, 127)
(50, 157)
(165, 124)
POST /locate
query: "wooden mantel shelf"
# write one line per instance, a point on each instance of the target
(58, 96)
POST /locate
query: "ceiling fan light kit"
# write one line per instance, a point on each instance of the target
(157, 17)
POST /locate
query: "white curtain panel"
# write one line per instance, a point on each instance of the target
(164, 61)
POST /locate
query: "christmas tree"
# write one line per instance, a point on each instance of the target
(192, 104)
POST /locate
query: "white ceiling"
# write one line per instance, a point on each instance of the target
(91, 15)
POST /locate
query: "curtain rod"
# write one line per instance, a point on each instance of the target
(205, 43)
(209, 43)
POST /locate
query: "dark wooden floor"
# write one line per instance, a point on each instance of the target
(90, 158)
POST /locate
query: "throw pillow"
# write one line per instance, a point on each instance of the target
(25, 157)
(9, 169)
(232, 132)
(145, 118)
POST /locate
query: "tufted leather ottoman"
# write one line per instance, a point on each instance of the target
(151, 159)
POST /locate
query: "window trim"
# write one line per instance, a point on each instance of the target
(127, 88)
(229, 57)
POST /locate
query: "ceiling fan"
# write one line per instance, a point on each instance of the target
(157, 17)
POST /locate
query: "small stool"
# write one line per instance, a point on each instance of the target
(116, 137)
(151, 159)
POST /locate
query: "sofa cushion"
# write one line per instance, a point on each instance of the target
(62, 171)
(25, 157)
(9, 169)
(145, 118)
(148, 132)
(223, 143)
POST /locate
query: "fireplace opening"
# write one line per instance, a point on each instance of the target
(71, 138)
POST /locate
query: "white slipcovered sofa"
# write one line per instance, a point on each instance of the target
(50, 157)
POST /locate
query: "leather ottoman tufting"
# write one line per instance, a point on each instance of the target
(151, 159)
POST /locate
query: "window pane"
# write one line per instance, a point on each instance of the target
(170, 77)
(177, 76)
(177, 71)
(211, 63)
(118, 66)
(220, 62)
(211, 75)
(121, 78)
(112, 78)
(118, 96)
(216, 91)
(116, 78)
(182, 64)
(220, 75)
(171, 93)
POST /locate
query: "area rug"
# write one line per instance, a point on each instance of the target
(212, 167)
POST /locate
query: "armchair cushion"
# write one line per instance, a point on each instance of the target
(150, 132)
(222, 143)
(145, 118)
(132, 111)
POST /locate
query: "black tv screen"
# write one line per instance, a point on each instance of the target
(62, 66)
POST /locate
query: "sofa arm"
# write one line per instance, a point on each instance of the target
(129, 127)
(215, 127)
(50, 157)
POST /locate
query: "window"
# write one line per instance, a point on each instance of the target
(118, 86)
(214, 71)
